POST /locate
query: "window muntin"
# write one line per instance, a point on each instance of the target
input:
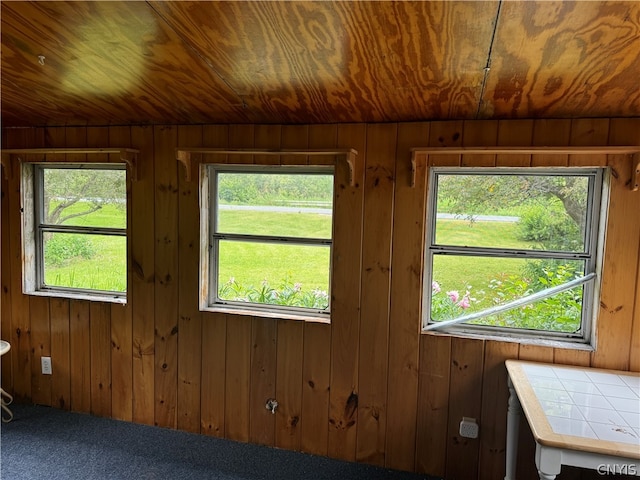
(499, 235)
(271, 238)
(80, 218)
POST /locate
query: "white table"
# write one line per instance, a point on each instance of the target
(5, 398)
(579, 416)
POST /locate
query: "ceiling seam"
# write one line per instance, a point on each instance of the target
(487, 67)
(199, 55)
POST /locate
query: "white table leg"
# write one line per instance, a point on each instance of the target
(548, 462)
(513, 426)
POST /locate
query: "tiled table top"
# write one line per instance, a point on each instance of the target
(594, 410)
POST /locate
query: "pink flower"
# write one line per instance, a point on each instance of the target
(464, 303)
(466, 300)
(435, 286)
(453, 295)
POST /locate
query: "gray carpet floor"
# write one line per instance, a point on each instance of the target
(49, 444)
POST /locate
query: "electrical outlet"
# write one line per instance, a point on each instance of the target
(45, 362)
(469, 428)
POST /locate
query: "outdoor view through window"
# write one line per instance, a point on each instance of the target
(81, 216)
(502, 236)
(271, 237)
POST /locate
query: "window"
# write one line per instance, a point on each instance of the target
(75, 230)
(270, 237)
(513, 252)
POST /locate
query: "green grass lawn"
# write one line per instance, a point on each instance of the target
(459, 273)
(107, 267)
(251, 264)
(286, 224)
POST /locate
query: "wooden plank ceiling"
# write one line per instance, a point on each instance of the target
(94, 63)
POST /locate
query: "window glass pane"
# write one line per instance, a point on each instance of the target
(268, 273)
(466, 284)
(532, 212)
(85, 197)
(279, 205)
(96, 262)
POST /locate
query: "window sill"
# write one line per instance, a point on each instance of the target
(79, 296)
(278, 315)
(523, 340)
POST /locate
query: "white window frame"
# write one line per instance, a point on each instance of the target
(592, 256)
(210, 238)
(34, 227)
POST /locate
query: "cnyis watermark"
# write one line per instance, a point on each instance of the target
(617, 469)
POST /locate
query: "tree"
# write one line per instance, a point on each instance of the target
(475, 194)
(86, 190)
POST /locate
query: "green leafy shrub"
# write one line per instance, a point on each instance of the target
(60, 249)
(559, 313)
(287, 293)
(549, 228)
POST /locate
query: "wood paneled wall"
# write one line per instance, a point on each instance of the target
(369, 387)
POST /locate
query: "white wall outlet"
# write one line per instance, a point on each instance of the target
(45, 362)
(469, 428)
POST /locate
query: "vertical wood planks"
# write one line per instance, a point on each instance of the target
(60, 353)
(20, 339)
(290, 341)
(121, 315)
(241, 136)
(40, 347)
(323, 136)
(445, 134)
(315, 388)
(479, 133)
(212, 390)
(535, 353)
(433, 404)
(142, 278)
(121, 363)
(237, 378)
(465, 399)
(585, 132)
(166, 278)
(80, 354)
(189, 317)
(345, 301)
(406, 295)
(376, 283)
(317, 341)
(435, 350)
(267, 137)
(294, 137)
(100, 354)
(568, 356)
(5, 277)
(289, 384)
(214, 333)
(550, 133)
(325, 377)
(515, 133)
(239, 331)
(615, 320)
(264, 333)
